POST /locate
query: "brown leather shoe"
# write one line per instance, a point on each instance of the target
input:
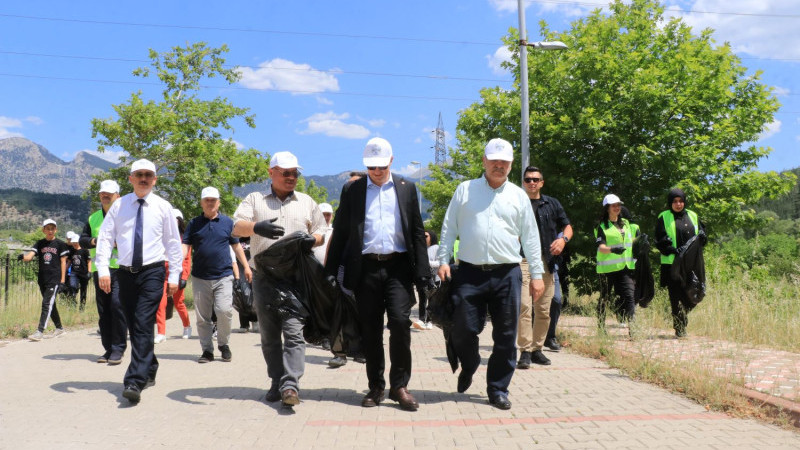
(289, 397)
(373, 398)
(406, 400)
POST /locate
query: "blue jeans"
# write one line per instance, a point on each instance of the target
(474, 292)
(555, 306)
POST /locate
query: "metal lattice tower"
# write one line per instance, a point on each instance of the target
(440, 151)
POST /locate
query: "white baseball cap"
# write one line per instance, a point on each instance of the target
(109, 186)
(284, 160)
(177, 213)
(377, 153)
(143, 164)
(48, 222)
(209, 192)
(72, 237)
(610, 199)
(325, 208)
(499, 149)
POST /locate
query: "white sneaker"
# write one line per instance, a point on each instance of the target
(418, 324)
(187, 332)
(254, 328)
(428, 326)
(59, 332)
(159, 339)
(36, 337)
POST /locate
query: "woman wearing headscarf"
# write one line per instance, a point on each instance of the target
(674, 228)
(615, 264)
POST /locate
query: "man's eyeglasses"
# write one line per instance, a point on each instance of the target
(290, 174)
(532, 179)
(377, 167)
(143, 174)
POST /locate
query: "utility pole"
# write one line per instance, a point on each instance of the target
(439, 152)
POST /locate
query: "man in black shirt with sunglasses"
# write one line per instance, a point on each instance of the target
(538, 319)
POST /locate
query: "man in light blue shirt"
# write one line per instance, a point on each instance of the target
(491, 217)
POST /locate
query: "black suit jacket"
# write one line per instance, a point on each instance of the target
(348, 230)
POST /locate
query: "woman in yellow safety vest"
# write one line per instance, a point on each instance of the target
(615, 263)
(674, 228)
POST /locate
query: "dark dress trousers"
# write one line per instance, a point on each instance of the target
(380, 286)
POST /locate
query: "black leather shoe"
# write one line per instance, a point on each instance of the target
(404, 398)
(500, 401)
(464, 381)
(373, 398)
(273, 394)
(132, 393)
(524, 361)
(552, 344)
(537, 357)
(151, 381)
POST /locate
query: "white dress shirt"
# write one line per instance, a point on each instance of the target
(160, 234)
(383, 229)
(491, 224)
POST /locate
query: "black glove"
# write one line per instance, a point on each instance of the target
(267, 229)
(308, 242)
(425, 284)
(701, 236)
(20, 256)
(672, 251)
(618, 250)
(181, 284)
(61, 287)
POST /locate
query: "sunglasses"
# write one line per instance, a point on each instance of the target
(377, 167)
(533, 180)
(143, 174)
(290, 174)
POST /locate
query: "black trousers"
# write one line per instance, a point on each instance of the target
(386, 287)
(624, 305)
(49, 309)
(140, 294)
(112, 324)
(680, 308)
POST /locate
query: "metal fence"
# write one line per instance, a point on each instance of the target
(18, 280)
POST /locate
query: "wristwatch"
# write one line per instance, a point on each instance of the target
(566, 239)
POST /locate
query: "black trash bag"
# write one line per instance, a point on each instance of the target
(243, 299)
(441, 311)
(301, 289)
(644, 289)
(689, 269)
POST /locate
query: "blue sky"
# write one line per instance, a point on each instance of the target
(322, 77)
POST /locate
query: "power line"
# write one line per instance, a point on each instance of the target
(331, 71)
(240, 88)
(683, 11)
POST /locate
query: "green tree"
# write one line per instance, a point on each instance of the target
(318, 193)
(636, 105)
(182, 133)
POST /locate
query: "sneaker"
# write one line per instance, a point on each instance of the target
(537, 357)
(36, 337)
(59, 332)
(418, 325)
(159, 339)
(524, 361)
(239, 330)
(214, 336)
(428, 326)
(206, 357)
(115, 359)
(187, 332)
(337, 361)
(254, 328)
(226, 352)
(103, 359)
(326, 345)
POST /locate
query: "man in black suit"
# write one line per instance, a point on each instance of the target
(379, 238)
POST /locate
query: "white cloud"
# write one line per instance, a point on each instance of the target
(324, 101)
(9, 122)
(239, 145)
(376, 123)
(284, 75)
(566, 9)
(501, 55)
(771, 129)
(418, 140)
(412, 171)
(34, 120)
(780, 91)
(760, 36)
(333, 125)
(110, 156)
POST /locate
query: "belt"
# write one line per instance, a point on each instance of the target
(487, 267)
(380, 257)
(143, 268)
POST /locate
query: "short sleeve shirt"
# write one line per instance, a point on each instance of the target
(49, 254)
(211, 242)
(79, 260)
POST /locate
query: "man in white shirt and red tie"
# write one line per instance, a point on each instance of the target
(142, 227)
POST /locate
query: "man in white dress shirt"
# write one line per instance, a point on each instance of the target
(142, 227)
